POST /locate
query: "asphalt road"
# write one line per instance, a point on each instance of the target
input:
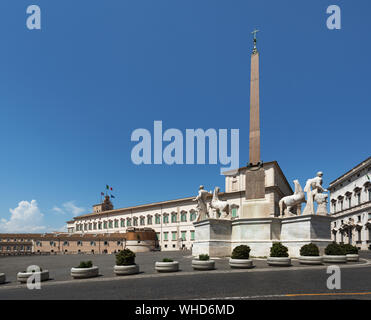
(258, 283)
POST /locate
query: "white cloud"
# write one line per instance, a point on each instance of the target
(69, 207)
(27, 217)
(58, 210)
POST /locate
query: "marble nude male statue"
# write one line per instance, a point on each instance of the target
(202, 204)
(312, 188)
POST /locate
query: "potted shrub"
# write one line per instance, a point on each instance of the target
(203, 263)
(309, 254)
(23, 276)
(2, 278)
(125, 263)
(335, 253)
(167, 265)
(279, 255)
(84, 270)
(351, 252)
(240, 257)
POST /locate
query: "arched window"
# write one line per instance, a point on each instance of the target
(149, 219)
(193, 215)
(142, 221)
(183, 216)
(158, 219)
(165, 218)
(135, 221)
(173, 217)
(122, 223)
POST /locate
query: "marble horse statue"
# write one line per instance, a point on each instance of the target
(219, 208)
(292, 202)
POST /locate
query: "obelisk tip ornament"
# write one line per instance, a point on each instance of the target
(255, 50)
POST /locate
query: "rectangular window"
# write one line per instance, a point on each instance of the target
(99, 225)
(359, 235)
(142, 221)
(359, 198)
(165, 236)
(157, 220)
(116, 223)
(105, 224)
(128, 223)
(173, 234)
(158, 235)
(173, 218)
(184, 235)
(234, 212)
(369, 194)
(135, 222)
(341, 205)
(349, 202)
(166, 218)
(122, 223)
(110, 224)
(192, 234)
(149, 220)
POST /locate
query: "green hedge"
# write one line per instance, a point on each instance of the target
(203, 257)
(85, 264)
(309, 250)
(334, 249)
(279, 250)
(241, 252)
(125, 257)
(349, 249)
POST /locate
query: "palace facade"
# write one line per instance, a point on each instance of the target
(173, 220)
(137, 240)
(350, 206)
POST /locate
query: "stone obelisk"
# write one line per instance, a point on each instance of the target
(254, 147)
(255, 176)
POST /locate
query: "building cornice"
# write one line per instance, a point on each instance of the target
(354, 209)
(351, 172)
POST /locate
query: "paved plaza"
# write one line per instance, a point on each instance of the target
(264, 281)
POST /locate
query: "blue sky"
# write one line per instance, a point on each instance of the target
(72, 93)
